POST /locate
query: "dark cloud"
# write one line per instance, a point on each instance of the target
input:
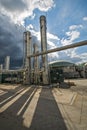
(16, 63)
(13, 5)
(11, 41)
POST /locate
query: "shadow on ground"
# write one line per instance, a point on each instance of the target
(47, 115)
(66, 85)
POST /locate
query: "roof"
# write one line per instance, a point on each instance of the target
(61, 63)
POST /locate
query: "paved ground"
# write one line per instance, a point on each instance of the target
(40, 108)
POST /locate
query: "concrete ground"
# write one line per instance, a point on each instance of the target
(43, 108)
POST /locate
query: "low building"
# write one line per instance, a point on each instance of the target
(69, 69)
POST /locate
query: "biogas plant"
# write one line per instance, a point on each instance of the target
(36, 69)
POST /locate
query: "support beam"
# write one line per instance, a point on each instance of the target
(78, 44)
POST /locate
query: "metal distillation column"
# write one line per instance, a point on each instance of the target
(36, 64)
(7, 63)
(44, 49)
(27, 38)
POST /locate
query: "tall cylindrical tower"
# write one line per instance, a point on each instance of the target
(44, 48)
(27, 61)
(27, 40)
(7, 63)
(36, 64)
(1, 67)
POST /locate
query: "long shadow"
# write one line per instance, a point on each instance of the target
(66, 85)
(28, 103)
(47, 114)
(9, 119)
(8, 122)
(24, 96)
(9, 92)
(16, 106)
(10, 98)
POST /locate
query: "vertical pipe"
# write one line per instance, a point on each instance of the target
(44, 48)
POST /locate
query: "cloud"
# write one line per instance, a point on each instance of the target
(81, 58)
(30, 26)
(73, 27)
(51, 36)
(73, 57)
(11, 40)
(18, 10)
(71, 36)
(12, 16)
(51, 44)
(85, 18)
(11, 5)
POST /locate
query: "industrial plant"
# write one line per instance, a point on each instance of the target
(41, 73)
(42, 95)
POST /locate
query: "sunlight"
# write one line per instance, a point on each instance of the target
(2, 93)
(19, 112)
(3, 108)
(11, 96)
(29, 113)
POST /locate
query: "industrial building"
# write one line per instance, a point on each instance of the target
(69, 69)
(26, 104)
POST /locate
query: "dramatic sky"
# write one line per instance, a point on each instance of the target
(66, 24)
